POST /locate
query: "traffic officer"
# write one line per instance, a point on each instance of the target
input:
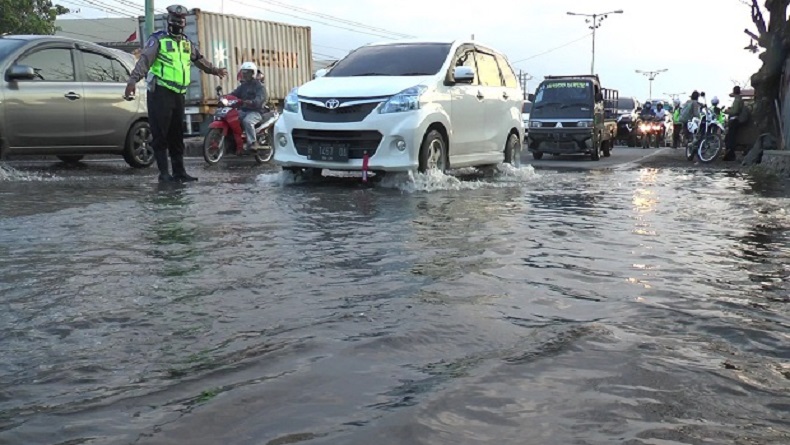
(166, 62)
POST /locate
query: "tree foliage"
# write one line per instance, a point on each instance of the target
(29, 16)
(774, 37)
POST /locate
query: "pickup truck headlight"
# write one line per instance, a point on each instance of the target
(292, 102)
(406, 100)
(535, 124)
(584, 124)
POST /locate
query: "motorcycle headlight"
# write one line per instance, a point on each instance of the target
(292, 102)
(224, 102)
(406, 100)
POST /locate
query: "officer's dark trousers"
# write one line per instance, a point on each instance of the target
(166, 116)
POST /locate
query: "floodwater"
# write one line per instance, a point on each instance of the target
(628, 307)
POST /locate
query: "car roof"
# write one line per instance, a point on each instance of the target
(431, 41)
(34, 37)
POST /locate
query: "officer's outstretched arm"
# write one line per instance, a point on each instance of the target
(204, 65)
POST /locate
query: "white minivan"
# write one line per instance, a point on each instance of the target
(405, 106)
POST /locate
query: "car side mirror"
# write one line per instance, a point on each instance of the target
(21, 72)
(321, 73)
(463, 74)
(531, 97)
(219, 90)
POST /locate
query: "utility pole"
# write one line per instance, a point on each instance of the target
(596, 20)
(149, 20)
(651, 75)
(523, 79)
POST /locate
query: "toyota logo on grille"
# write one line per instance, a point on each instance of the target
(332, 104)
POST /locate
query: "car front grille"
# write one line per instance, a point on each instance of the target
(553, 124)
(359, 141)
(353, 113)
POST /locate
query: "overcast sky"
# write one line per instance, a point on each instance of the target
(700, 42)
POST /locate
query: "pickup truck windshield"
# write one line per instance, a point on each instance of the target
(413, 59)
(564, 92)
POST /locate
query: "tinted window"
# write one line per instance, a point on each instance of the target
(626, 103)
(488, 70)
(51, 65)
(7, 46)
(564, 92)
(98, 68)
(120, 71)
(393, 60)
(507, 72)
(527, 107)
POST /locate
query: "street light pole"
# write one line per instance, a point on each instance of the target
(674, 96)
(651, 75)
(596, 20)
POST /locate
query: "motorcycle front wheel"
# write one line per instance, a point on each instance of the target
(710, 148)
(266, 150)
(213, 146)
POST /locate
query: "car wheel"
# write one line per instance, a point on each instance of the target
(433, 153)
(513, 151)
(139, 153)
(70, 159)
(537, 155)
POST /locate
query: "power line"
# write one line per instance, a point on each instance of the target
(312, 20)
(553, 49)
(335, 18)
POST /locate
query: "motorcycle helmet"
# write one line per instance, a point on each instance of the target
(176, 19)
(715, 101)
(247, 71)
(676, 102)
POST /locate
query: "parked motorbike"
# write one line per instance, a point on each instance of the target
(706, 136)
(225, 133)
(651, 131)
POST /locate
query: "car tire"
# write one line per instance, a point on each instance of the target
(537, 155)
(70, 159)
(433, 152)
(513, 151)
(138, 151)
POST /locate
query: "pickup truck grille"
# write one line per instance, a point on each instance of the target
(553, 124)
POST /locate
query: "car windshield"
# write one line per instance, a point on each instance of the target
(626, 103)
(564, 92)
(527, 107)
(7, 46)
(417, 59)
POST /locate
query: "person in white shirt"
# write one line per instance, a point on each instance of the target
(661, 113)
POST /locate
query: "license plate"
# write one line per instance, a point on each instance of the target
(329, 152)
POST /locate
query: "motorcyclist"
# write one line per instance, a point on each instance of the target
(252, 96)
(647, 112)
(661, 117)
(690, 109)
(718, 111)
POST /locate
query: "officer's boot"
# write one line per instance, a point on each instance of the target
(179, 172)
(162, 164)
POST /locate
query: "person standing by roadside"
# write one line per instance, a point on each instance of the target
(734, 122)
(677, 126)
(166, 62)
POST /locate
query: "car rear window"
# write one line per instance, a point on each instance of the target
(7, 46)
(405, 59)
(626, 103)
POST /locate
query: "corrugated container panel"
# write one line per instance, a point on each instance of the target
(282, 51)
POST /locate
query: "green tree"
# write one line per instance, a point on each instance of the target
(29, 16)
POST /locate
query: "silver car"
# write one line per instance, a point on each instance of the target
(63, 97)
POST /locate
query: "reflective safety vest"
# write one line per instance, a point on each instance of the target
(172, 64)
(676, 115)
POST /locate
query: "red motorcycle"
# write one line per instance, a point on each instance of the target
(225, 133)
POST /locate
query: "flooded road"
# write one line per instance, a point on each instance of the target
(628, 307)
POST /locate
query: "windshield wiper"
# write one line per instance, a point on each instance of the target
(541, 105)
(414, 74)
(368, 74)
(573, 104)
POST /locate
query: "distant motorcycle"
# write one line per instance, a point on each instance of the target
(226, 134)
(651, 131)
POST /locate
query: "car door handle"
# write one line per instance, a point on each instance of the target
(71, 95)
(480, 95)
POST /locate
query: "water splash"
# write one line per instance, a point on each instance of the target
(504, 175)
(8, 173)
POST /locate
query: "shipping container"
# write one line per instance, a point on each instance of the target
(282, 52)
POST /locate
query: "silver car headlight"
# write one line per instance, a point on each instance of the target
(406, 100)
(292, 102)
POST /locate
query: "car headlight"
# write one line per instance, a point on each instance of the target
(406, 100)
(584, 124)
(535, 124)
(292, 102)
